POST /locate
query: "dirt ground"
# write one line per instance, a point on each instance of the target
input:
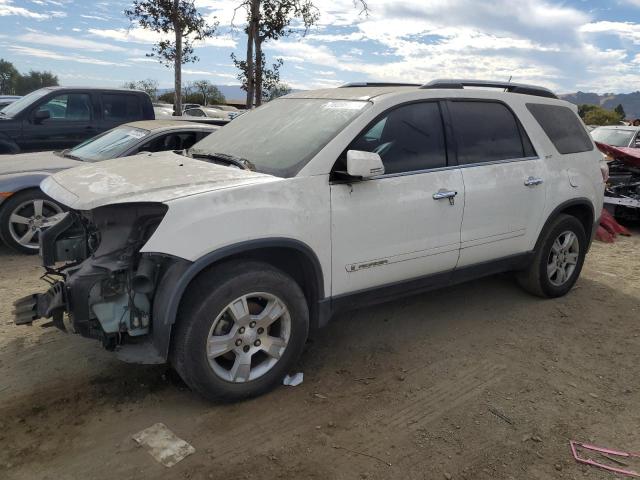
(478, 381)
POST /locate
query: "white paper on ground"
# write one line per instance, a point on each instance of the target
(163, 445)
(293, 380)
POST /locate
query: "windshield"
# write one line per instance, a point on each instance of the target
(280, 137)
(111, 144)
(613, 136)
(16, 107)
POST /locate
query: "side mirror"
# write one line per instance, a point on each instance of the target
(41, 116)
(364, 164)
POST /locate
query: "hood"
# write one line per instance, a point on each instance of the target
(155, 177)
(34, 162)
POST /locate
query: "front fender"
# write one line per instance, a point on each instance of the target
(181, 273)
(20, 181)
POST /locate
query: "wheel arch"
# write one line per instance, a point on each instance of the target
(580, 208)
(292, 256)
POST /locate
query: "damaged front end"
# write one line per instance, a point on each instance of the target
(102, 286)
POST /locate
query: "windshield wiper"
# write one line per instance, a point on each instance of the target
(66, 154)
(239, 162)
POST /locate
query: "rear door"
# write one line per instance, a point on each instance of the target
(399, 226)
(503, 178)
(71, 122)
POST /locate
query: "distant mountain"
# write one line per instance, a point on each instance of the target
(630, 101)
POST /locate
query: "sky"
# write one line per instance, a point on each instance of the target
(564, 45)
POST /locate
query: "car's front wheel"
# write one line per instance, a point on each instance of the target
(242, 326)
(558, 260)
(23, 216)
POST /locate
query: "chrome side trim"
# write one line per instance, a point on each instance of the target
(452, 167)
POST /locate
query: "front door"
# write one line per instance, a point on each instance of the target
(503, 178)
(404, 224)
(70, 122)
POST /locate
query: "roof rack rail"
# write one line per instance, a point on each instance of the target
(378, 84)
(507, 86)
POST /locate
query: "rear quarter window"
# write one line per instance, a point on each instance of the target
(121, 107)
(562, 126)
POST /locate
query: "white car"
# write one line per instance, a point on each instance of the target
(617, 136)
(223, 261)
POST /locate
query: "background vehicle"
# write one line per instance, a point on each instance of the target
(61, 117)
(626, 136)
(206, 112)
(25, 210)
(7, 100)
(231, 111)
(222, 263)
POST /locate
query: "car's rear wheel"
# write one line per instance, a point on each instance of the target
(22, 218)
(558, 260)
(242, 326)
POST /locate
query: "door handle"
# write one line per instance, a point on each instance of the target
(442, 194)
(533, 181)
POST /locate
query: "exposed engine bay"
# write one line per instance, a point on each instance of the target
(102, 287)
(622, 193)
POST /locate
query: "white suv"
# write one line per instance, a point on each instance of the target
(223, 259)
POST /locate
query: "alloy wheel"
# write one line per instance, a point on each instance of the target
(248, 337)
(563, 258)
(29, 218)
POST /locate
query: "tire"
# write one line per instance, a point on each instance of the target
(218, 372)
(26, 205)
(552, 274)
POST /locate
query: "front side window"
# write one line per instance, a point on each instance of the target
(283, 135)
(487, 132)
(408, 138)
(563, 127)
(71, 106)
(121, 107)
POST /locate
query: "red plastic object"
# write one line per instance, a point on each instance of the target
(608, 451)
(603, 235)
(611, 225)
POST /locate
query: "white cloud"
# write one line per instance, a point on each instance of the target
(95, 17)
(628, 30)
(66, 41)
(7, 8)
(141, 35)
(48, 54)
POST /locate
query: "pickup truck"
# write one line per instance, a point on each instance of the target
(55, 118)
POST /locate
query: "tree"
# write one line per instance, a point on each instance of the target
(34, 80)
(270, 77)
(279, 90)
(149, 85)
(596, 115)
(210, 93)
(180, 18)
(268, 20)
(271, 20)
(8, 77)
(620, 111)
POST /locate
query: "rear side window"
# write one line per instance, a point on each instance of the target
(562, 126)
(121, 107)
(487, 132)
